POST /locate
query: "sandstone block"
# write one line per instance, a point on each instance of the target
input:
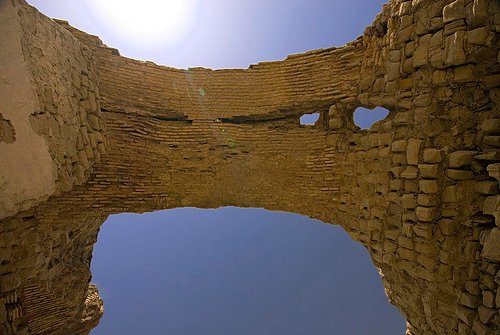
(485, 314)
(493, 141)
(447, 226)
(411, 186)
(489, 299)
(487, 187)
(428, 186)
(406, 84)
(427, 200)
(432, 155)
(459, 174)
(427, 262)
(491, 248)
(439, 78)
(396, 184)
(465, 314)
(424, 231)
(421, 55)
(428, 170)
(399, 146)
(426, 214)
(481, 329)
(454, 11)
(335, 123)
(408, 201)
(406, 254)
(409, 49)
(405, 34)
(411, 172)
(477, 36)
(463, 74)
(461, 158)
(477, 12)
(491, 205)
(491, 126)
(413, 151)
(454, 49)
(395, 55)
(393, 71)
(403, 118)
(422, 100)
(494, 171)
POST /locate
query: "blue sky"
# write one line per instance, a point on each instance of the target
(231, 270)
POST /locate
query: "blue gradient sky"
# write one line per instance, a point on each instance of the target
(235, 271)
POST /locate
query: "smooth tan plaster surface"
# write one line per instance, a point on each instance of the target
(27, 174)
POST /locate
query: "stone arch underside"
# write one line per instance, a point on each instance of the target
(419, 189)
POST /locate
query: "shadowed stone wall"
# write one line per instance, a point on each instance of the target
(419, 189)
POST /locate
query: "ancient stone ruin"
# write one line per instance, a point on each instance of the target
(85, 133)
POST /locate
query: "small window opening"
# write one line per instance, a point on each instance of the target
(309, 119)
(365, 118)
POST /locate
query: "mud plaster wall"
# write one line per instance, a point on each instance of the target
(419, 189)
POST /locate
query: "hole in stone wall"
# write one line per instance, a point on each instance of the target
(365, 118)
(309, 119)
(7, 132)
(236, 271)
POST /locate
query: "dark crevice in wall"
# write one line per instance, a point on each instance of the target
(252, 119)
(7, 132)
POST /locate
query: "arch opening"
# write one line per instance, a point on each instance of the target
(230, 271)
(365, 118)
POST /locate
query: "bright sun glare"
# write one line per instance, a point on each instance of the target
(149, 23)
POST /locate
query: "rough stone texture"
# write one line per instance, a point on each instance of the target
(419, 189)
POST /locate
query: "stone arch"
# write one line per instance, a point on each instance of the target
(281, 237)
(420, 191)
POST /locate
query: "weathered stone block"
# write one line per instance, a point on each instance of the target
(408, 201)
(439, 78)
(427, 200)
(493, 141)
(411, 172)
(399, 146)
(426, 214)
(413, 151)
(465, 314)
(491, 126)
(459, 174)
(393, 71)
(481, 329)
(461, 158)
(477, 36)
(477, 12)
(463, 74)
(428, 186)
(428, 170)
(485, 314)
(494, 171)
(454, 49)
(335, 123)
(491, 248)
(421, 55)
(432, 155)
(489, 299)
(487, 187)
(396, 184)
(454, 11)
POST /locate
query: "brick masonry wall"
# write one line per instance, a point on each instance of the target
(419, 189)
